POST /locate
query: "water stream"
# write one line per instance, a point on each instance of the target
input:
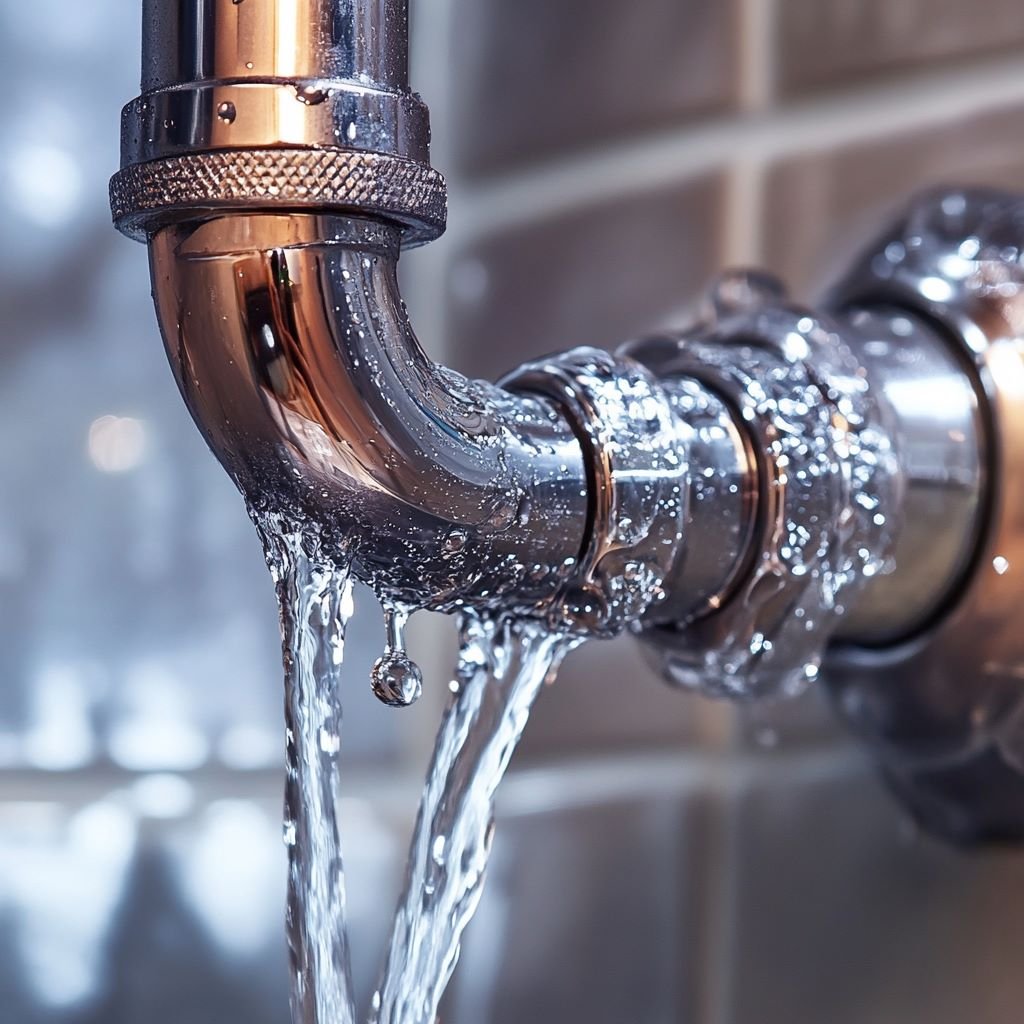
(501, 669)
(502, 666)
(315, 599)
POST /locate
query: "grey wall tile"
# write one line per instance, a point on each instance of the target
(785, 724)
(596, 275)
(844, 913)
(825, 42)
(163, 903)
(108, 917)
(534, 79)
(821, 205)
(590, 915)
(607, 699)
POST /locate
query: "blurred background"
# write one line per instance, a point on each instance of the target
(659, 858)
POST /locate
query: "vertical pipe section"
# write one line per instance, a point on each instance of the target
(276, 103)
(191, 41)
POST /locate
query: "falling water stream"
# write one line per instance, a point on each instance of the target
(501, 669)
(315, 598)
(502, 666)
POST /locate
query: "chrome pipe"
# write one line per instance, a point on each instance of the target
(293, 351)
(188, 42)
(276, 105)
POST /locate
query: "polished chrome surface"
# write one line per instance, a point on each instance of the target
(943, 710)
(249, 114)
(722, 486)
(294, 353)
(940, 433)
(829, 491)
(231, 90)
(319, 73)
(190, 41)
(722, 506)
(639, 485)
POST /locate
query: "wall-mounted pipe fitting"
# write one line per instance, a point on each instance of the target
(944, 708)
(829, 488)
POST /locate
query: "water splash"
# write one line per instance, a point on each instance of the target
(314, 592)
(502, 667)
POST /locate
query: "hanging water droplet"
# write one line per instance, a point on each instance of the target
(397, 680)
(226, 111)
(585, 609)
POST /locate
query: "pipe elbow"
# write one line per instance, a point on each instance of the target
(294, 353)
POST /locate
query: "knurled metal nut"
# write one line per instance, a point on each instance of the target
(143, 196)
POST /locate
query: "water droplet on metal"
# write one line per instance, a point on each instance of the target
(454, 542)
(311, 95)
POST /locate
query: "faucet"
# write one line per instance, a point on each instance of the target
(772, 496)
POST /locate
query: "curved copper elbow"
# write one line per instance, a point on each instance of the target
(294, 353)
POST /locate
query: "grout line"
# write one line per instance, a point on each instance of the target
(873, 111)
(741, 243)
(722, 910)
(538, 789)
(741, 229)
(757, 21)
(716, 926)
(425, 271)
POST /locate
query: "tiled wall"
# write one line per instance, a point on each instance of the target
(660, 859)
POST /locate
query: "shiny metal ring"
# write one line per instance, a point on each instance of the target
(146, 196)
(309, 113)
(637, 452)
(828, 476)
(945, 711)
